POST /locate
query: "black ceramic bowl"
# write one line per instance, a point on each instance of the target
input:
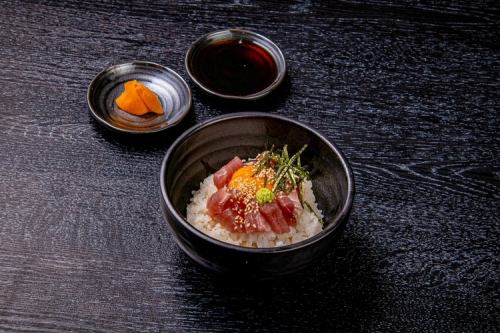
(173, 92)
(206, 147)
(235, 64)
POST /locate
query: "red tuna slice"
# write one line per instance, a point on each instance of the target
(255, 222)
(224, 208)
(273, 215)
(287, 208)
(290, 206)
(228, 220)
(218, 202)
(223, 176)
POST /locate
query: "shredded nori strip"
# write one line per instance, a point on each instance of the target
(289, 171)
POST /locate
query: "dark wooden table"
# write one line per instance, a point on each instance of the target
(411, 93)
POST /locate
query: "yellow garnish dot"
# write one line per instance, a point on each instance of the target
(244, 179)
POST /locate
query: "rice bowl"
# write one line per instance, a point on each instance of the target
(199, 151)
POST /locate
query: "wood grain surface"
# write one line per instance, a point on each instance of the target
(409, 91)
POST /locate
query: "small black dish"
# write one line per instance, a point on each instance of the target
(207, 146)
(235, 64)
(171, 89)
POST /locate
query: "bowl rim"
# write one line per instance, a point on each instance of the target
(102, 121)
(335, 224)
(250, 35)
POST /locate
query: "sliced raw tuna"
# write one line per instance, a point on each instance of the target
(224, 208)
(290, 206)
(287, 208)
(223, 176)
(227, 218)
(255, 222)
(274, 216)
(218, 202)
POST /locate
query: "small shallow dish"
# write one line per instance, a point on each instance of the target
(171, 89)
(204, 148)
(226, 69)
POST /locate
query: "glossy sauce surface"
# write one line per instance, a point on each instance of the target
(234, 67)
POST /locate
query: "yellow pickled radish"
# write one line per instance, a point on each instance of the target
(137, 99)
(149, 98)
(130, 101)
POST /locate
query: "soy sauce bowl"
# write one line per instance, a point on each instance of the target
(235, 64)
(203, 149)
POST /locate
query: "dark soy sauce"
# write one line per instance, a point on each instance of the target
(234, 67)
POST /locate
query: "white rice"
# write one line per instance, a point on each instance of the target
(307, 225)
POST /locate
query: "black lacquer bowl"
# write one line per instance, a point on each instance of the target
(206, 147)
